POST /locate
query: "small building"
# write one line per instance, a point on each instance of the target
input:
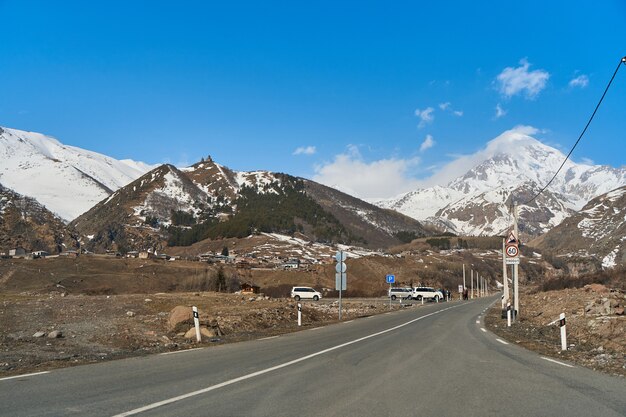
(292, 264)
(17, 252)
(247, 288)
(132, 254)
(40, 254)
(145, 255)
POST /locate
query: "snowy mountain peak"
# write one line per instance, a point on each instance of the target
(66, 179)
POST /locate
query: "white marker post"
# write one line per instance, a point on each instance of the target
(472, 284)
(196, 322)
(508, 314)
(464, 287)
(299, 314)
(563, 333)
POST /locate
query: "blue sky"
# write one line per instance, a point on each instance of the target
(324, 90)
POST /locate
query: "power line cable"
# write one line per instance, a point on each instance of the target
(622, 61)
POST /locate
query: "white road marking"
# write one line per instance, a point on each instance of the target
(267, 338)
(349, 321)
(502, 341)
(477, 321)
(24, 376)
(180, 351)
(273, 368)
(315, 328)
(483, 329)
(555, 361)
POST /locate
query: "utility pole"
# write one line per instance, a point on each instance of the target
(515, 266)
(472, 284)
(505, 279)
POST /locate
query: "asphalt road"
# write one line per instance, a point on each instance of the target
(431, 360)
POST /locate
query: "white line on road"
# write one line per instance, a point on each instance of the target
(24, 376)
(555, 361)
(502, 341)
(273, 368)
(315, 328)
(180, 351)
(268, 338)
(349, 321)
(477, 321)
(483, 329)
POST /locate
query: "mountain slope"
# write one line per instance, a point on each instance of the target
(26, 223)
(513, 167)
(66, 179)
(208, 200)
(598, 231)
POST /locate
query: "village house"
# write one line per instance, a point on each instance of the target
(247, 288)
(18, 252)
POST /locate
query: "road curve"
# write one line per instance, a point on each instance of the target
(427, 360)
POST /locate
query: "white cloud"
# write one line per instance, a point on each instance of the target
(427, 144)
(387, 178)
(587, 161)
(499, 111)
(458, 113)
(581, 81)
(513, 81)
(444, 106)
(305, 150)
(426, 116)
(374, 180)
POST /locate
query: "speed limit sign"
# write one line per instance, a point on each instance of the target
(512, 251)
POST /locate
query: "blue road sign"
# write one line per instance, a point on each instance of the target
(390, 279)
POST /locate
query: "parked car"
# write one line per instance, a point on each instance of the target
(400, 292)
(427, 293)
(298, 293)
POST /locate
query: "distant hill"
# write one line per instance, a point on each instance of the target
(26, 223)
(598, 231)
(177, 207)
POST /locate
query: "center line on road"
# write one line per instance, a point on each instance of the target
(483, 329)
(349, 321)
(24, 376)
(477, 321)
(273, 368)
(502, 341)
(267, 338)
(555, 361)
(315, 328)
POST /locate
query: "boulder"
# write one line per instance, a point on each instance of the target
(130, 313)
(206, 333)
(55, 334)
(39, 334)
(181, 317)
(619, 311)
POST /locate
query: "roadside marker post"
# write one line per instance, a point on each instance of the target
(563, 332)
(464, 287)
(196, 322)
(299, 314)
(508, 314)
(340, 277)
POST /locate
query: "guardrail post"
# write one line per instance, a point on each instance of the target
(196, 322)
(508, 314)
(563, 333)
(299, 314)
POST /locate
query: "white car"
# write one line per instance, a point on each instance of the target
(427, 293)
(399, 292)
(298, 293)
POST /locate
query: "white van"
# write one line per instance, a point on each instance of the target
(298, 293)
(400, 292)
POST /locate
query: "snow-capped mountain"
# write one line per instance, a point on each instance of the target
(512, 168)
(66, 179)
(597, 231)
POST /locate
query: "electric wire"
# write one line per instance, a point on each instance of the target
(622, 61)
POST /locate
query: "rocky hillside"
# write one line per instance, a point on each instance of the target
(173, 207)
(26, 223)
(513, 167)
(598, 231)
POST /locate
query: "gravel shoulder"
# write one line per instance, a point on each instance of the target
(595, 325)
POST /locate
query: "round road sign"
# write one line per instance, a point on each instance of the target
(512, 251)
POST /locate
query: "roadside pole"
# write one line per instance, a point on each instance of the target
(508, 314)
(299, 314)
(340, 275)
(464, 287)
(505, 279)
(196, 322)
(472, 284)
(563, 333)
(515, 267)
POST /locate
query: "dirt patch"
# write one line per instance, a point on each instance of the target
(596, 326)
(105, 327)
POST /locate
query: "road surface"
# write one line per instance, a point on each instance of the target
(431, 360)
